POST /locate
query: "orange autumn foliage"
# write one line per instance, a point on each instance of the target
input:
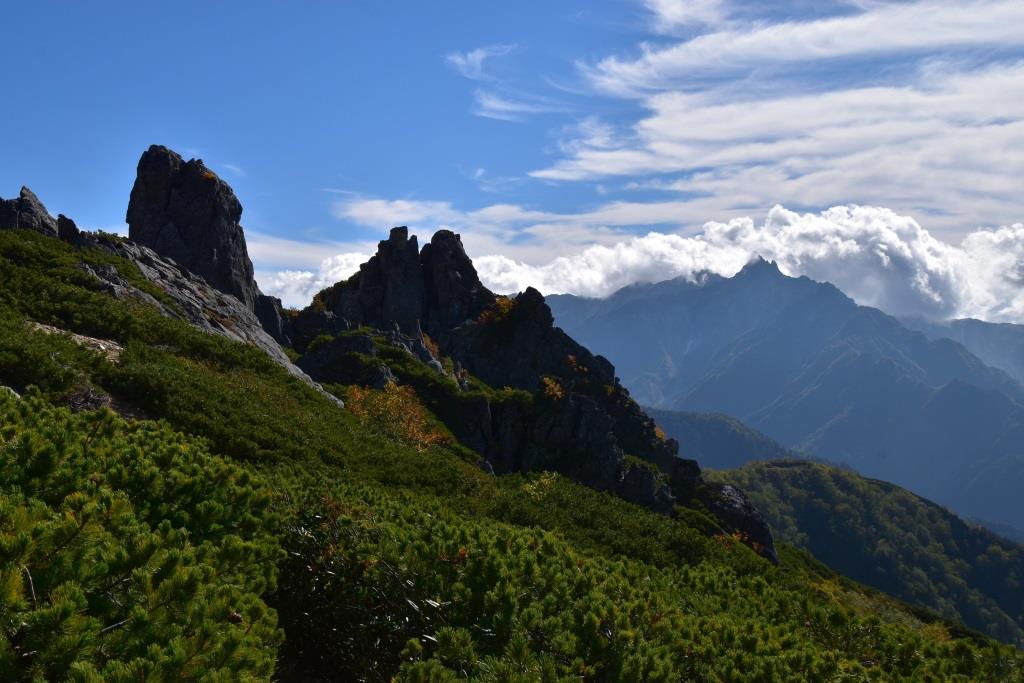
(395, 412)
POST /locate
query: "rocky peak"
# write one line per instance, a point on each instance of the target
(759, 267)
(27, 213)
(453, 288)
(183, 211)
(388, 289)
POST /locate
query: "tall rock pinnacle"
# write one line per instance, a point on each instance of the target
(183, 211)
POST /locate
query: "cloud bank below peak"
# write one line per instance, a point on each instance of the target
(875, 255)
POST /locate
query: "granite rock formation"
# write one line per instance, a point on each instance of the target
(183, 211)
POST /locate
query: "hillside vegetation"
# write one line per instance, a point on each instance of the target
(231, 515)
(889, 538)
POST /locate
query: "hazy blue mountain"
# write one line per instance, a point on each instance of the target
(801, 362)
(1000, 345)
(717, 441)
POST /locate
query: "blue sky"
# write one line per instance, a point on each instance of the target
(577, 146)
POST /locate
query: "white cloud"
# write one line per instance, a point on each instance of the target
(492, 105)
(670, 15)
(951, 145)
(877, 256)
(236, 170)
(882, 29)
(471, 64)
(296, 288)
(282, 253)
(916, 106)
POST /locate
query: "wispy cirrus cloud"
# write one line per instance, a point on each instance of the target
(731, 109)
(671, 15)
(499, 100)
(470, 64)
(926, 116)
(882, 29)
(493, 105)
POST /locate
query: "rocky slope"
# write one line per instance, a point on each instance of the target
(185, 237)
(187, 296)
(585, 424)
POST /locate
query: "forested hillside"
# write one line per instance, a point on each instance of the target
(178, 504)
(889, 538)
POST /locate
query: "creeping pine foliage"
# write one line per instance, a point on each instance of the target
(256, 532)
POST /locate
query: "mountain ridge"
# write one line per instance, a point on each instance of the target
(801, 362)
(268, 533)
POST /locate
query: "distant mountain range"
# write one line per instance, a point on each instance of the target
(803, 363)
(717, 441)
(1000, 345)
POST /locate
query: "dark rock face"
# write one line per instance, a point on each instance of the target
(272, 316)
(183, 211)
(454, 293)
(26, 213)
(388, 290)
(66, 228)
(585, 433)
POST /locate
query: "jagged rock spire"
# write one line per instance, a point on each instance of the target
(183, 211)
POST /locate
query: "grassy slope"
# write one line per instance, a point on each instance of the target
(414, 562)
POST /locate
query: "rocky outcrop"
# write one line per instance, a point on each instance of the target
(454, 293)
(388, 290)
(66, 228)
(739, 516)
(431, 291)
(183, 211)
(26, 213)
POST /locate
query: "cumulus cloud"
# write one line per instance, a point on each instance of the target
(875, 255)
(296, 288)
